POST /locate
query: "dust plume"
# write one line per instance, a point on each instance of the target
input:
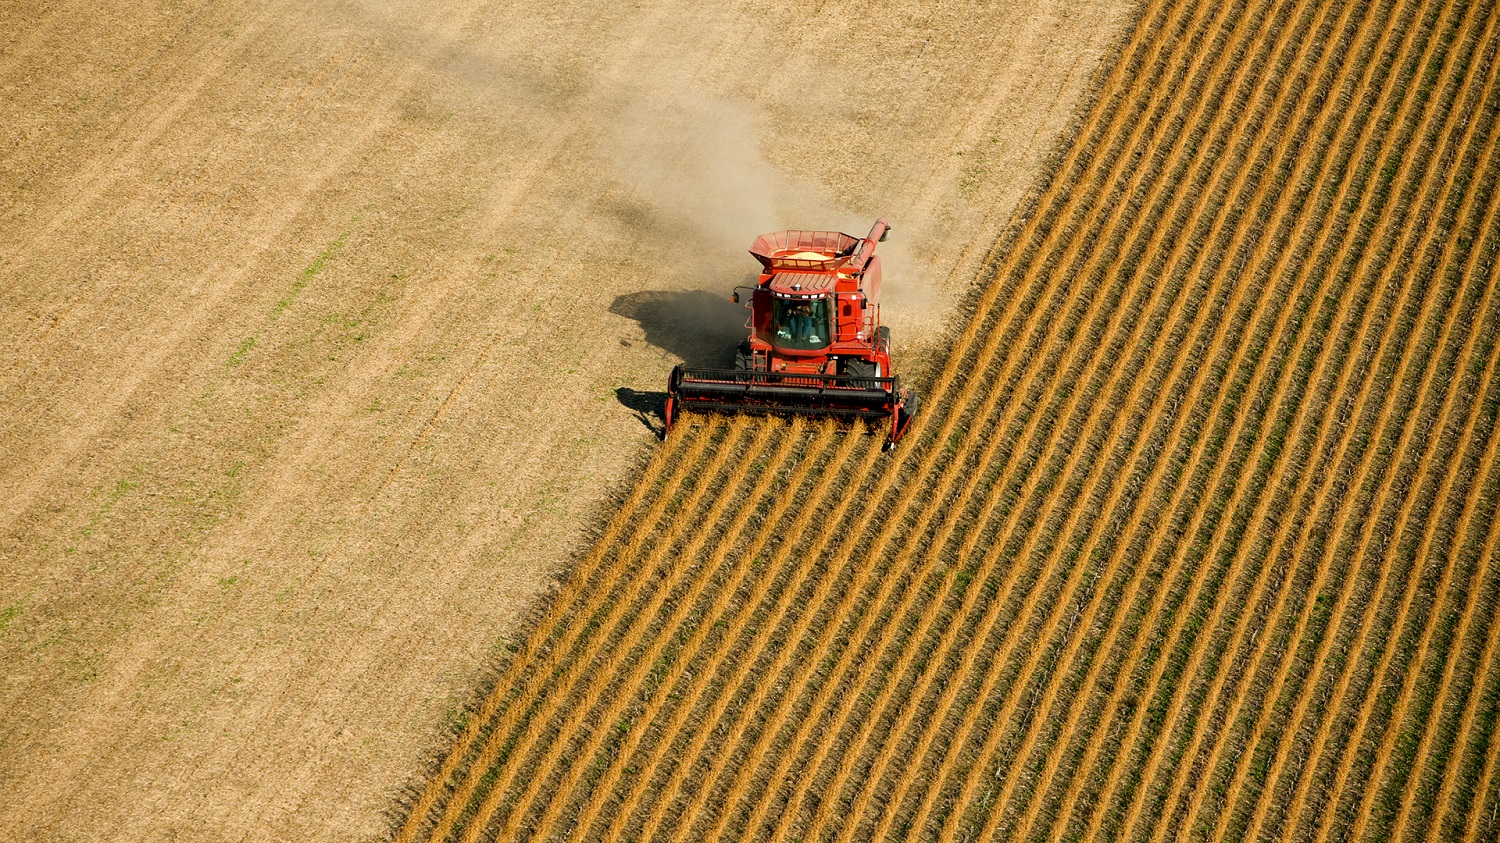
(682, 165)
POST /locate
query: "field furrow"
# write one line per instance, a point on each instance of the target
(1347, 315)
(1344, 677)
(1264, 751)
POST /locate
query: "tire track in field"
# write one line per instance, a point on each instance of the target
(23, 368)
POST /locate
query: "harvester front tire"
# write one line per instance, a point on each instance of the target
(857, 368)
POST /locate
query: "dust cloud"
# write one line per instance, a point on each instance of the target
(679, 162)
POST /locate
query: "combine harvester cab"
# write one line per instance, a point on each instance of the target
(816, 345)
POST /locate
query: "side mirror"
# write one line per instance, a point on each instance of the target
(885, 234)
(735, 296)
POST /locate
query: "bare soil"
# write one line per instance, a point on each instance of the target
(328, 330)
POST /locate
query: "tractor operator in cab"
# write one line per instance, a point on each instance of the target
(799, 325)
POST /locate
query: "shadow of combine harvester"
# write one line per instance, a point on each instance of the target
(699, 327)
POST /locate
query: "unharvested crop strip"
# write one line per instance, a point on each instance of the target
(821, 461)
(1376, 698)
(519, 682)
(678, 605)
(1343, 684)
(923, 622)
(733, 576)
(1154, 602)
(1441, 667)
(1466, 803)
(1151, 248)
(1270, 268)
(1044, 228)
(784, 664)
(947, 650)
(1301, 695)
(1294, 615)
(1322, 731)
(886, 539)
(700, 689)
(560, 667)
(1369, 809)
(1222, 216)
(1459, 799)
(1131, 647)
(580, 704)
(1194, 442)
(750, 651)
(1442, 762)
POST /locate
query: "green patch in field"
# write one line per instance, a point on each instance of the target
(312, 271)
(86, 668)
(244, 348)
(8, 614)
(112, 497)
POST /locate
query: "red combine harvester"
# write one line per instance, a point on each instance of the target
(816, 344)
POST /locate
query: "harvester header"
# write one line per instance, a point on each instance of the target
(816, 345)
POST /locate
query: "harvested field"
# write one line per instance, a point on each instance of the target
(328, 328)
(1195, 538)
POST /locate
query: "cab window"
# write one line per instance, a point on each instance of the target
(801, 324)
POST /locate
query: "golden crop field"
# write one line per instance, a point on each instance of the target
(1194, 538)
